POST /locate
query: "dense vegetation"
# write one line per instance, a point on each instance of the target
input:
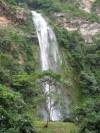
(85, 62)
(19, 69)
(18, 93)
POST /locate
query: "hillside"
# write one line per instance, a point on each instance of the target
(76, 24)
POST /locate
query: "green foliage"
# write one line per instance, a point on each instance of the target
(11, 103)
(9, 98)
(14, 103)
(19, 95)
(26, 85)
(62, 6)
(96, 5)
(73, 43)
(68, 40)
(88, 84)
(18, 125)
(59, 127)
(25, 125)
(88, 115)
(85, 62)
(13, 2)
(51, 74)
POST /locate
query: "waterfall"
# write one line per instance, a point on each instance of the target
(50, 59)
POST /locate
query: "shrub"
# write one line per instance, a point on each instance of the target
(88, 84)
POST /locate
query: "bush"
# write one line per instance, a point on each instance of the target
(13, 2)
(88, 84)
(88, 116)
(25, 126)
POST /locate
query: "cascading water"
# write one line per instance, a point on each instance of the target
(48, 43)
(50, 59)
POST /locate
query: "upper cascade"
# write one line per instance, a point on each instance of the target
(50, 57)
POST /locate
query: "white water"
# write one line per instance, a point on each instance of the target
(49, 57)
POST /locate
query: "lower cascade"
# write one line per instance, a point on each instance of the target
(50, 60)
